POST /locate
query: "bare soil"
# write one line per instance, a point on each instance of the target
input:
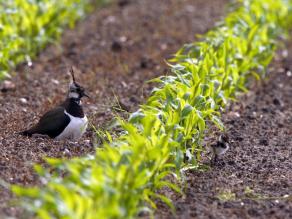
(254, 178)
(114, 51)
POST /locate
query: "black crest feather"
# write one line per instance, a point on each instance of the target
(72, 74)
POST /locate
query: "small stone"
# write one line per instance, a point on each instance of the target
(234, 115)
(55, 81)
(124, 84)
(281, 70)
(103, 43)
(163, 46)
(93, 108)
(190, 8)
(123, 39)
(66, 152)
(110, 20)
(285, 53)
(289, 73)
(23, 100)
(157, 67)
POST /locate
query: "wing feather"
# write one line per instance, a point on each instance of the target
(52, 123)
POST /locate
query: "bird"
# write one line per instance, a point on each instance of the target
(220, 147)
(65, 121)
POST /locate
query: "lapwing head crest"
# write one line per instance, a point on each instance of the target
(224, 138)
(76, 91)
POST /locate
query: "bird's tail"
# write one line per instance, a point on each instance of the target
(25, 133)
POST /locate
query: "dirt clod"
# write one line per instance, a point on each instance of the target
(116, 46)
(123, 3)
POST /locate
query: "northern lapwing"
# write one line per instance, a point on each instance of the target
(66, 121)
(220, 147)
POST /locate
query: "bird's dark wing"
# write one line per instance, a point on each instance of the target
(51, 123)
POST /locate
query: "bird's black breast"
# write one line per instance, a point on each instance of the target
(73, 108)
(221, 145)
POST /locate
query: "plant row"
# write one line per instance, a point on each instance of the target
(27, 26)
(163, 138)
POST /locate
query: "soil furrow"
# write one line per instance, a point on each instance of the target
(114, 51)
(254, 179)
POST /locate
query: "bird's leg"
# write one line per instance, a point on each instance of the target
(214, 160)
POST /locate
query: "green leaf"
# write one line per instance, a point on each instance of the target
(186, 110)
(136, 117)
(217, 122)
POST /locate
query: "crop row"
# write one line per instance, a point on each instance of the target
(27, 26)
(122, 179)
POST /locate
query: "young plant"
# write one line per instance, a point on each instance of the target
(27, 26)
(122, 179)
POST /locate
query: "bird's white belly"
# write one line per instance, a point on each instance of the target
(75, 129)
(221, 150)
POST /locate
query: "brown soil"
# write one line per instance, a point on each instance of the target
(115, 50)
(255, 175)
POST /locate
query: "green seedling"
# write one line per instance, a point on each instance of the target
(26, 27)
(251, 194)
(124, 175)
(226, 195)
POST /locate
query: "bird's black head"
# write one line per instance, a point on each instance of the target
(76, 91)
(224, 138)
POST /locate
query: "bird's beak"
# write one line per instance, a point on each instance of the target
(86, 95)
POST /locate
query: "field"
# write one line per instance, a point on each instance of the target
(115, 50)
